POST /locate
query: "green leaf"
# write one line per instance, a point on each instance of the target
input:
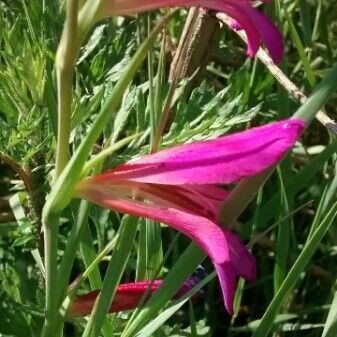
(294, 274)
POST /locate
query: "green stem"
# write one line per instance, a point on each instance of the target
(65, 64)
(101, 156)
(70, 251)
(150, 62)
(50, 246)
(319, 97)
(182, 269)
(113, 276)
(90, 269)
(65, 87)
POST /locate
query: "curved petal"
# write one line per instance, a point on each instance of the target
(211, 237)
(269, 33)
(192, 199)
(219, 161)
(209, 197)
(229, 256)
(228, 281)
(230, 7)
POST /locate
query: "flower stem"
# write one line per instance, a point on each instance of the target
(64, 83)
(65, 64)
(113, 276)
(50, 251)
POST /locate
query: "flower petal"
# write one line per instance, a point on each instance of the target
(242, 264)
(269, 33)
(228, 281)
(127, 297)
(222, 161)
(194, 199)
(235, 9)
(209, 197)
(210, 236)
(224, 248)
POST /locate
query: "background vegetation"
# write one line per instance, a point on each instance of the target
(233, 93)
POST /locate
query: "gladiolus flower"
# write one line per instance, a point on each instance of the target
(129, 295)
(258, 27)
(177, 187)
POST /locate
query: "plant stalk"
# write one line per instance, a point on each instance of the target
(50, 256)
(65, 64)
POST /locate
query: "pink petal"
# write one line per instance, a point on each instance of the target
(207, 196)
(127, 297)
(242, 264)
(209, 235)
(269, 33)
(188, 198)
(228, 281)
(234, 8)
(222, 161)
(230, 257)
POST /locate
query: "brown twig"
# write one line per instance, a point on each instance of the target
(195, 46)
(280, 76)
(20, 171)
(190, 58)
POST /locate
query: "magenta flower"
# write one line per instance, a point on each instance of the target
(257, 26)
(177, 187)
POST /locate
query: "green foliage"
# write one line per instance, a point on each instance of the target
(297, 265)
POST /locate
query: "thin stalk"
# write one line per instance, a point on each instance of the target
(88, 254)
(101, 156)
(193, 323)
(150, 241)
(155, 276)
(71, 248)
(64, 88)
(160, 78)
(113, 276)
(150, 62)
(141, 252)
(65, 65)
(164, 117)
(326, 200)
(71, 292)
(50, 255)
(182, 269)
(283, 237)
